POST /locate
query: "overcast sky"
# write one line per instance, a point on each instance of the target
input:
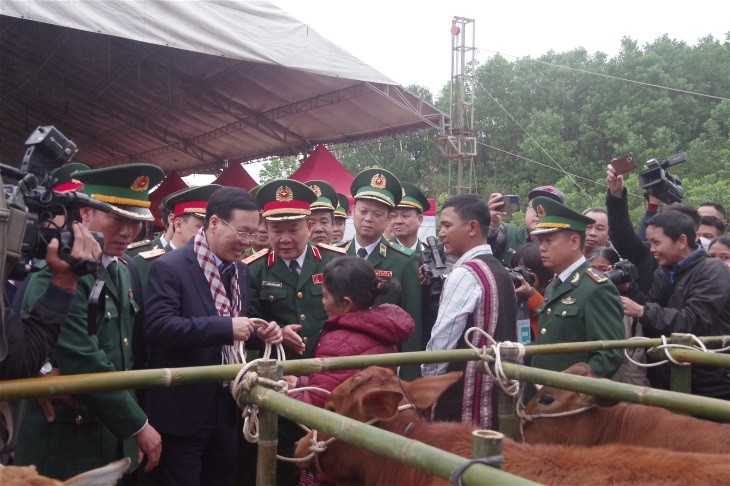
(410, 42)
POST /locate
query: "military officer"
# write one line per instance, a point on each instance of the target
(102, 427)
(340, 217)
(376, 193)
(407, 217)
(321, 218)
(188, 207)
(286, 280)
(581, 304)
(260, 238)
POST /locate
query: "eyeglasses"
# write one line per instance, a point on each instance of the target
(242, 235)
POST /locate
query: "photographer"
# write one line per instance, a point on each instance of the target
(528, 256)
(30, 338)
(690, 294)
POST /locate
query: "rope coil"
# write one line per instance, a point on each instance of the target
(510, 387)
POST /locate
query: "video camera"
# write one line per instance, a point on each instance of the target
(622, 272)
(434, 266)
(660, 184)
(523, 272)
(32, 205)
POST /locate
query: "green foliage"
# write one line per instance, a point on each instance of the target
(278, 168)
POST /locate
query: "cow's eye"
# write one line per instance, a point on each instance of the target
(546, 400)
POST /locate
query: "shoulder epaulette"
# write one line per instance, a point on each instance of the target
(152, 254)
(595, 275)
(138, 244)
(342, 244)
(256, 256)
(333, 248)
(400, 248)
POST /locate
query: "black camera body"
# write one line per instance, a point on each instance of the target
(523, 272)
(622, 272)
(660, 184)
(434, 267)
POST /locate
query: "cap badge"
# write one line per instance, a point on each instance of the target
(315, 188)
(378, 181)
(141, 183)
(284, 194)
(541, 211)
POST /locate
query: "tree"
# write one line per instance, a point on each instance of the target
(278, 168)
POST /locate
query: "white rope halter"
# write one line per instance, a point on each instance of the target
(510, 387)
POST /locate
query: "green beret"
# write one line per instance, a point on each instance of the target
(343, 206)
(284, 199)
(190, 200)
(125, 187)
(378, 185)
(413, 198)
(326, 195)
(556, 217)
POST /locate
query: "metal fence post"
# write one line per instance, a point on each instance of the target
(268, 433)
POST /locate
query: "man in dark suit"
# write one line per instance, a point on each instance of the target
(197, 299)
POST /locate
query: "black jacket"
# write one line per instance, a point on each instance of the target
(696, 301)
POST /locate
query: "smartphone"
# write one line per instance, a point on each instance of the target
(511, 203)
(624, 164)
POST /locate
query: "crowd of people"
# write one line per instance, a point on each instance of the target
(278, 253)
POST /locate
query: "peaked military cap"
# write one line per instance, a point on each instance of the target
(547, 191)
(125, 187)
(413, 198)
(64, 181)
(556, 217)
(377, 185)
(285, 199)
(326, 195)
(343, 206)
(190, 200)
(255, 190)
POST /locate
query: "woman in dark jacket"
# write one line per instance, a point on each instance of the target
(353, 328)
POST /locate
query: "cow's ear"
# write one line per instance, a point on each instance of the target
(381, 404)
(424, 392)
(581, 369)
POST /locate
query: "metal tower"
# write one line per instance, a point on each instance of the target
(458, 143)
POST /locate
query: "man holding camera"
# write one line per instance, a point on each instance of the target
(690, 294)
(477, 293)
(92, 430)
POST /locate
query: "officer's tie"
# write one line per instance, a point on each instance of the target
(226, 270)
(113, 269)
(294, 267)
(362, 253)
(553, 287)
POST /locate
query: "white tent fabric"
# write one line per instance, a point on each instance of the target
(190, 85)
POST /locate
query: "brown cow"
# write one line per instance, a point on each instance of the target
(618, 424)
(27, 475)
(376, 393)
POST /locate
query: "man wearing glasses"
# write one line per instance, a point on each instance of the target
(196, 306)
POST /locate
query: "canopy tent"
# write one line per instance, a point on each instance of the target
(190, 86)
(171, 183)
(323, 165)
(236, 176)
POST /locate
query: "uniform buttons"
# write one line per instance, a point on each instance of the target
(304, 339)
(563, 313)
(79, 420)
(299, 295)
(125, 341)
(271, 298)
(109, 315)
(302, 317)
(549, 311)
(543, 331)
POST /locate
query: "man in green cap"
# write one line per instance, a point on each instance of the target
(321, 218)
(377, 192)
(340, 218)
(101, 427)
(260, 237)
(581, 304)
(407, 217)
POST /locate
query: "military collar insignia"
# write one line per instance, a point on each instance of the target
(271, 260)
(141, 183)
(540, 211)
(378, 181)
(284, 194)
(383, 249)
(575, 278)
(317, 278)
(316, 253)
(568, 300)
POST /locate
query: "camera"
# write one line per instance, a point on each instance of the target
(660, 184)
(434, 266)
(622, 272)
(32, 204)
(523, 272)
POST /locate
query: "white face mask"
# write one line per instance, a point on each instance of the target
(705, 242)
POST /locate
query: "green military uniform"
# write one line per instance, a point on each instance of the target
(100, 428)
(391, 260)
(585, 307)
(279, 295)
